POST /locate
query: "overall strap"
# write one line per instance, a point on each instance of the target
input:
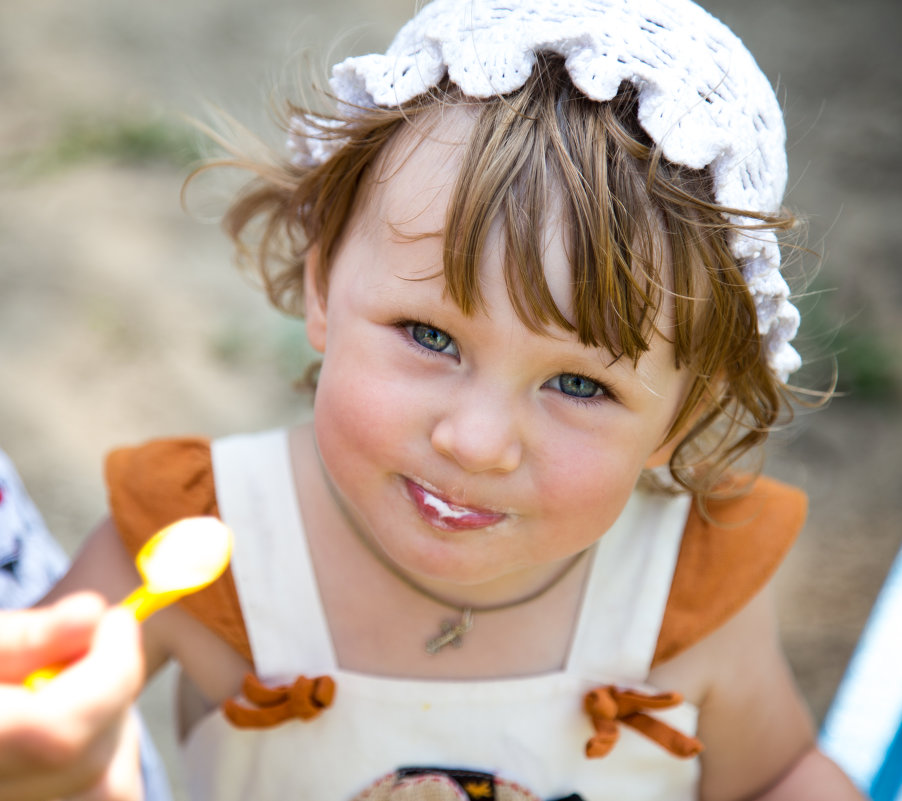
(627, 590)
(283, 613)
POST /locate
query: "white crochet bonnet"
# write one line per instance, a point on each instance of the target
(702, 99)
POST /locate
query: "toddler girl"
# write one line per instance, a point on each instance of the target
(536, 247)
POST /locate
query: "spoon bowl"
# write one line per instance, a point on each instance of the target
(180, 559)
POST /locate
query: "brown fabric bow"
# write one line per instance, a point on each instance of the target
(608, 706)
(304, 699)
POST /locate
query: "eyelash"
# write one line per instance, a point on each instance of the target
(606, 393)
(404, 327)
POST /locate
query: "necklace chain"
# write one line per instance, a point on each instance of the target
(452, 632)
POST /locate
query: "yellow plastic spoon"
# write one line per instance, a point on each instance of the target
(180, 559)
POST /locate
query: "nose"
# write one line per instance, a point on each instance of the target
(478, 431)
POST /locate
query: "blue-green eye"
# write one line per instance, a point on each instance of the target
(578, 386)
(431, 337)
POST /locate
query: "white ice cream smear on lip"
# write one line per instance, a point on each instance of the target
(443, 509)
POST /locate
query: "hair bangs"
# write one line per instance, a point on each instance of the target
(531, 152)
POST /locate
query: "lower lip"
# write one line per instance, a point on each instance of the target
(441, 514)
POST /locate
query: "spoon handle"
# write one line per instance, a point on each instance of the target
(142, 603)
(37, 679)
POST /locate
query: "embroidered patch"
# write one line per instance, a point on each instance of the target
(478, 786)
(443, 784)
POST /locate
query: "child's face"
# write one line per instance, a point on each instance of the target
(470, 448)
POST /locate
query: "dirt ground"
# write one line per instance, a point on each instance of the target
(121, 317)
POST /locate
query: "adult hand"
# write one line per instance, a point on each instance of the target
(74, 736)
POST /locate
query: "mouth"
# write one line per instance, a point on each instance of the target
(444, 514)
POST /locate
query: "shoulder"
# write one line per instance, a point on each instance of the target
(156, 483)
(727, 556)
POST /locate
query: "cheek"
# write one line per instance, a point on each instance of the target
(357, 420)
(586, 483)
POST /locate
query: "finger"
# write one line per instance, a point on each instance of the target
(33, 638)
(100, 686)
(122, 780)
(46, 763)
(39, 759)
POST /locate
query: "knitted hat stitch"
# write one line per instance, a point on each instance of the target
(702, 99)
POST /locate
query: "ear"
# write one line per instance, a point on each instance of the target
(314, 302)
(661, 457)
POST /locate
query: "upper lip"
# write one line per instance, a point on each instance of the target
(451, 501)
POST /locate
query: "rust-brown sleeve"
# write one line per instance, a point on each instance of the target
(726, 560)
(155, 484)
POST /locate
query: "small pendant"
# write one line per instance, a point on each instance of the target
(452, 633)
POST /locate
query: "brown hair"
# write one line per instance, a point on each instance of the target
(621, 200)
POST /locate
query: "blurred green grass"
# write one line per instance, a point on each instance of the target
(132, 139)
(866, 362)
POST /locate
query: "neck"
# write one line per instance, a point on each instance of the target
(511, 589)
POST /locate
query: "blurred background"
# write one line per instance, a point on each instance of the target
(122, 317)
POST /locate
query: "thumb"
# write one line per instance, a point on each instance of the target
(113, 669)
(33, 638)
